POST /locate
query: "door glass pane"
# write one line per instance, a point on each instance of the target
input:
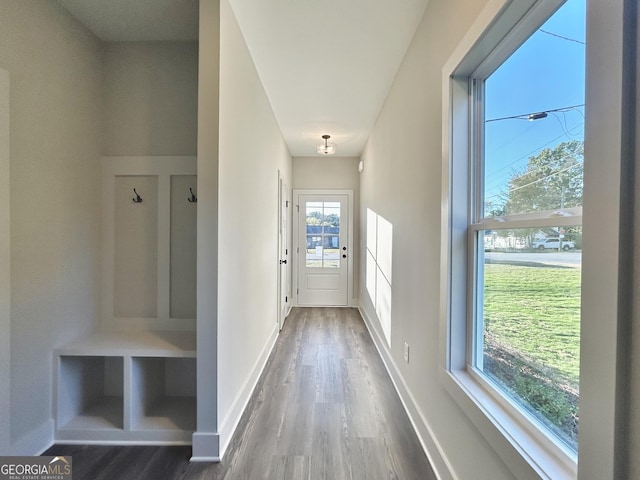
(314, 214)
(314, 251)
(322, 234)
(331, 251)
(331, 220)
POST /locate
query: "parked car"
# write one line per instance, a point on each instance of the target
(553, 244)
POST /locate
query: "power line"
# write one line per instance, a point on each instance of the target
(536, 115)
(496, 180)
(526, 156)
(565, 128)
(553, 174)
(562, 37)
(511, 190)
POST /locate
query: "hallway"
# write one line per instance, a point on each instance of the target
(324, 408)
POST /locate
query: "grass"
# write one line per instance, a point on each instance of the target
(535, 312)
(532, 340)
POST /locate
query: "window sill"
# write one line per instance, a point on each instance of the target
(524, 453)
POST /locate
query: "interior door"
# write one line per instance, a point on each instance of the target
(323, 221)
(283, 254)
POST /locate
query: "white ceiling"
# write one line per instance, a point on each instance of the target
(326, 66)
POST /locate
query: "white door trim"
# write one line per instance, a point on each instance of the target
(296, 243)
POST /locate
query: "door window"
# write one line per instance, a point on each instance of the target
(323, 235)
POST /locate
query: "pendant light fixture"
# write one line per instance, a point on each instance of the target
(326, 148)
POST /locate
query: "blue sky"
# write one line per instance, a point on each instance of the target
(545, 73)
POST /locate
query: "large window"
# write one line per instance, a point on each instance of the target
(526, 221)
(515, 227)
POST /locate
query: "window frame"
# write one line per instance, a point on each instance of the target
(502, 27)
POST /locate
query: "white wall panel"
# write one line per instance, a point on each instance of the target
(135, 274)
(183, 247)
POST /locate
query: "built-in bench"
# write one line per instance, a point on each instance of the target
(127, 387)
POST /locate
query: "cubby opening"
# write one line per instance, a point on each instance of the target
(163, 394)
(90, 393)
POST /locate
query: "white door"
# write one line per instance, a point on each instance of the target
(323, 249)
(283, 254)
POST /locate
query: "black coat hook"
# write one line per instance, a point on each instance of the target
(192, 198)
(137, 198)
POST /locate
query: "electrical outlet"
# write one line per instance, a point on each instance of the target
(406, 352)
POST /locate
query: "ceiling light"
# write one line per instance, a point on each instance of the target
(326, 148)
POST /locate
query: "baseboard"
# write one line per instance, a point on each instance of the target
(230, 422)
(36, 441)
(205, 459)
(205, 443)
(125, 443)
(430, 445)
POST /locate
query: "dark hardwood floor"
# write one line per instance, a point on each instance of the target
(324, 408)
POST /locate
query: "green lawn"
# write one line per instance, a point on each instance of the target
(534, 312)
(532, 340)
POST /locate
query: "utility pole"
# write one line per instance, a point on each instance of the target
(562, 192)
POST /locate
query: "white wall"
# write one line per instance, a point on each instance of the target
(150, 98)
(401, 182)
(334, 173)
(5, 264)
(251, 153)
(56, 80)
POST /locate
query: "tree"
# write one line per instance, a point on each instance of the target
(332, 219)
(552, 179)
(314, 218)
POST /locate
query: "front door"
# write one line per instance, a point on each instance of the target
(323, 266)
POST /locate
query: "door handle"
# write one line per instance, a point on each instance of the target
(283, 261)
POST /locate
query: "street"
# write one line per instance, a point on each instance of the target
(572, 259)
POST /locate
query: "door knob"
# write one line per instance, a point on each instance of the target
(344, 256)
(283, 261)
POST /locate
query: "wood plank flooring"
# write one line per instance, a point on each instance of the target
(324, 408)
